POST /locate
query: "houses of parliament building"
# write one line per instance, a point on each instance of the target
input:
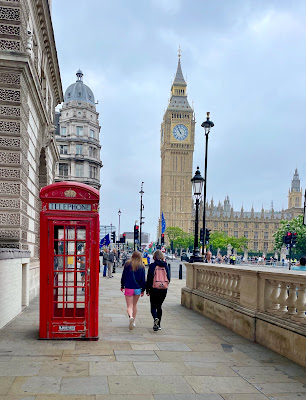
(257, 227)
(177, 137)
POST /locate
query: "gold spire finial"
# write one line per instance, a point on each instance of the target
(179, 52)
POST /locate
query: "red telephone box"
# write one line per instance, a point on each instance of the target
(69, 261)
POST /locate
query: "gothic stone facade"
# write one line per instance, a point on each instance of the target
(177, 146)
(30, 88)
(257, 227)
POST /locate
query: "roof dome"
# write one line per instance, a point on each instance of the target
(78, 91)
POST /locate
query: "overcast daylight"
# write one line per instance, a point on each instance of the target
(243, 60)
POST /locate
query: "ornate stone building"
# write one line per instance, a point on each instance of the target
(177, 146)
(257, 227)
(30, 88)
(78, 136)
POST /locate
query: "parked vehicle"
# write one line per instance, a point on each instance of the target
(185, 257)
(170, 256)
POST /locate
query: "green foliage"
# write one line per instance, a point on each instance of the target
(295, 225)
(180, 238)
(221, 240)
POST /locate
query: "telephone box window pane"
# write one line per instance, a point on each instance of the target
(81, 263)
(70, 233)
(58, 263)
(69, 262)
(58, 279)
(80, 248)
(80, 280)
(69, 279)
(81, 233)
(70, 248)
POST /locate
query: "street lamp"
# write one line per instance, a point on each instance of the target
(207, 125)
(197, 185)
(141, 217)
(119, 214)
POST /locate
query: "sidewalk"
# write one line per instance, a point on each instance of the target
(191, 358)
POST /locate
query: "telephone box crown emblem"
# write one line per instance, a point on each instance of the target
(70, 193)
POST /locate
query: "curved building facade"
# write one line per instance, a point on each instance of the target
(77, 136)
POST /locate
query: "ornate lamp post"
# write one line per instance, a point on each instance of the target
(197, 185)
(207, 125)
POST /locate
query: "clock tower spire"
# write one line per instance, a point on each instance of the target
(177, 146)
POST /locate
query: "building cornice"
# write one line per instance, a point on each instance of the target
(46, 26)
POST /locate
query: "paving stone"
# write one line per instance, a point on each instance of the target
(249, 396)
(148, 385)
(5, 384)
(268, 388)
(67, 397)
(64, 369)
(292, 369)
(112, 368)
(89, 385)
(34, 385)
(209, 369)
(123, 397)
(161, 368)
(136, 355)
(15, 368)
(216, 384)
(202, 396)
(196, 356)
(84, 358)
(144, 346)
(11, 397)
(287, 396)
(173, 346)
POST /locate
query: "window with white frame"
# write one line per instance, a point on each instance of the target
(255, 235)
(63, 170)
(79, 170)
(63, 149)
(92, 134)
(79, 131)
(63, 131)
(79, 149)
(266, 235)
(92, 172)
(236, 234)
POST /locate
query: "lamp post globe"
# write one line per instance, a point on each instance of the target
(207, 125)
(197, 185)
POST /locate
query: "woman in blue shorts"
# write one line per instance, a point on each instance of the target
(133, 282)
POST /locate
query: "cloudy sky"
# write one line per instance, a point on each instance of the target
(244, 61)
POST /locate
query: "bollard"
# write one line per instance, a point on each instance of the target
(181, 272)
(169, 265)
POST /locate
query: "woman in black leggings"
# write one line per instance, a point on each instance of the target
(157, 295)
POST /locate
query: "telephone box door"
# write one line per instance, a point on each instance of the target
(69, 277)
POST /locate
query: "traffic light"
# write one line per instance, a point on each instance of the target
(201, 235)
(113, 236)
(162, 239)
(207, 234)
(123, 238)
(136, 232)
(293, 239)
(288, 238)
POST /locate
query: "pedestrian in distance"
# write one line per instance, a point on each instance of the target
(158, 280)
(133, 284)
(110, 263)
(301, 265)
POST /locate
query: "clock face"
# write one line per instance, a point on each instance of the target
(180, 132)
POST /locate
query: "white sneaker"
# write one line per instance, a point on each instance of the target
(131, 325)
(134, 325)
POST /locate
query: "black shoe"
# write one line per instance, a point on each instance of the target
(156, 324)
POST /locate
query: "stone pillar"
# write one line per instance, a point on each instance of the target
(229, 250)
(283, 254)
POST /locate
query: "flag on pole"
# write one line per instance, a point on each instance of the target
(163, 223)
(105, 241)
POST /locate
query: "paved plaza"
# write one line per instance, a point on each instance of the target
(191, 358)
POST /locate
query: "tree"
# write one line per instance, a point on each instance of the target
(221, 240)
(174, 232)
(295, 225)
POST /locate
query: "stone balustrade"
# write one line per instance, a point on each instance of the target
(266, 305)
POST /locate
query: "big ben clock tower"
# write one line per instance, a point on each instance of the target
(176, 146)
